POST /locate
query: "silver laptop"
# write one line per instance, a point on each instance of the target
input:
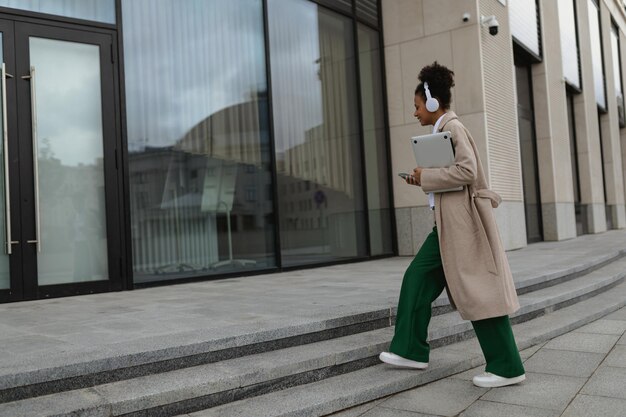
(434, 151)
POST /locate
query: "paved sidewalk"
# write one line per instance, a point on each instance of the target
(578, 374)
(45, 333)
(57, 339)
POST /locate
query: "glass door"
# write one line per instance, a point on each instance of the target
(66, 148)
(528, 150)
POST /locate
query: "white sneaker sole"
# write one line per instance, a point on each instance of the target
(500, 382)
(402, 362)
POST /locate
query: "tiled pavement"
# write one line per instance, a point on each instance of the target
(578, 374)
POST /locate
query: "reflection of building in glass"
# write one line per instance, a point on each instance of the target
(323, 158)
(330, 151)
(181, 195)
(316, 218)
(317, 203)
(320, 195)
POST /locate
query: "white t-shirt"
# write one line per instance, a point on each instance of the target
(431, 196)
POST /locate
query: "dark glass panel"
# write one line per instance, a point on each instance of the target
(374, 141)
(97, 10)
(316, 129)
(367, 10)
(198, 137)
(528, 151)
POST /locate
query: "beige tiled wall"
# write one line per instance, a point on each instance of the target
(613, 173)
(587, 129)
(418, 32)
(501, 105)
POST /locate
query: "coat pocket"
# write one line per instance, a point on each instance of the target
(486, 224)
(462, 218)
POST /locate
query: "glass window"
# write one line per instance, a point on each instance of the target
(374, 140)
(70, 160)
(98, 10)
(315, 116)
(198, 139)
(341, 5)
(574, 163)
(523, 18)
(617, 73)
(596, 53)
(569, 43)
(367, 10)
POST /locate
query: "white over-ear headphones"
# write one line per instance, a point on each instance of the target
(432, 104)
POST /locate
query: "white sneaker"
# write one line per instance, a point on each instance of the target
(489, 380)
(393, 359)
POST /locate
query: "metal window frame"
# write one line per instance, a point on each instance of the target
(122, 156)
(60, 18)
(279, 267)
(115, 261)
(601, 109)
(615, 31)
(525, 60)
(580, 76)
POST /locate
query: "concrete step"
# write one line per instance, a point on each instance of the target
(564, 271)
(213, 384)
(348, 390)
(557, 273)
(450, 328)
(74, 370)
(70, 371)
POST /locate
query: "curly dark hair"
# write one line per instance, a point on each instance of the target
(440, 80)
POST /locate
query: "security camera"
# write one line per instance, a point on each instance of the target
(492, 23)
(466, 17)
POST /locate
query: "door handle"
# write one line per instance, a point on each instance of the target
(5, 149)
(33, 107)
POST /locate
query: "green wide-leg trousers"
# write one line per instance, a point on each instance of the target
(423, 281)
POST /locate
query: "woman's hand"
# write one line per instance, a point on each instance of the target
(415, 178)
(417, 175)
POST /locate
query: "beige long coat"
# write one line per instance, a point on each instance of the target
(478, 276)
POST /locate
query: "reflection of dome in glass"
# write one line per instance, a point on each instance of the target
(234, 133)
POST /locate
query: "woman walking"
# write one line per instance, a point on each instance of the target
(463, 253)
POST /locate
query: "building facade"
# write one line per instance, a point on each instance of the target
(158, 141)
(154, 142)
(542, 97)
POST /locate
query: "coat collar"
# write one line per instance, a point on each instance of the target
(450, 115)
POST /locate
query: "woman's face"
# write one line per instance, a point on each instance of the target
(424, 116)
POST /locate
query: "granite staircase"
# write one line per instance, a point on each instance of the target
(311, 369)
